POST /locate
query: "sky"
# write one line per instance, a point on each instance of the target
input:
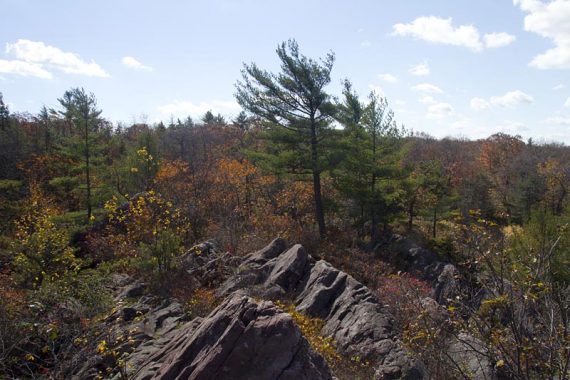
(459, 68)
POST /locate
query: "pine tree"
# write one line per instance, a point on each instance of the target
(297, 110)
(368, 167)
(4, 114)
(81, 109)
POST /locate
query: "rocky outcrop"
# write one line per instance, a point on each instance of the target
(156, 338)
(463, 350)
(358, 323)
(138, 327)
(471, 355)
(241, 339)
(207, 265)
(408, 256)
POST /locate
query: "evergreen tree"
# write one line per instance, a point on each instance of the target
(12, 142)
(43, 119)
(81, 109)
(378, 121)
(242, 121)
(368, 167)
(208, 118)
(188, 122)
(219, 119)
(296, 108)
(4, 114)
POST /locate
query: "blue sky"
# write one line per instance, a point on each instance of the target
(448, 67)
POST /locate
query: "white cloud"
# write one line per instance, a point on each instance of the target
(558, 120)
(436, 109)
(439, 111)
(387, 78)
(496, 40)
(559, 86)
(133, 63)
(479, 104)
(427, 88)
(461, 124)
(549, 20)
(509, 99)
(420, 69)
(427, 100)
(24, 69)
(366, 43)
(36, 52)
(439, 30)
(181, 107)
(567, 102)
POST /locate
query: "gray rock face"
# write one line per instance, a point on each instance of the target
(135, 290)
(207, 264)
(241, 339)
(410, 257)
(444, 277)
(289, 269)
(447, 286)
(359, 325)
(137, 331)
(471, 354)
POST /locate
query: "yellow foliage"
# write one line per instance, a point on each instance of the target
(41, 247)
(102, 347)
(324, 345)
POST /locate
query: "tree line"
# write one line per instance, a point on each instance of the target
(363, 168)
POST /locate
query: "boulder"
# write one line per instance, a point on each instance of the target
(272, 250)
(290, 268)
(240, 339)
(133, 291)
(410, 257)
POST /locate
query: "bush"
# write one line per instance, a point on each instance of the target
(41, 336)
(41, 249)
(516, 304)
(160, 253)
(201, 303)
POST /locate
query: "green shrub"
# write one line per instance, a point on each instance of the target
(161, 252)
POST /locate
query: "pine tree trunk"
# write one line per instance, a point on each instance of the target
(374, 219)
(319, 211)
(87, 170)
(434, 221)
(411, 214)
(374, 226)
